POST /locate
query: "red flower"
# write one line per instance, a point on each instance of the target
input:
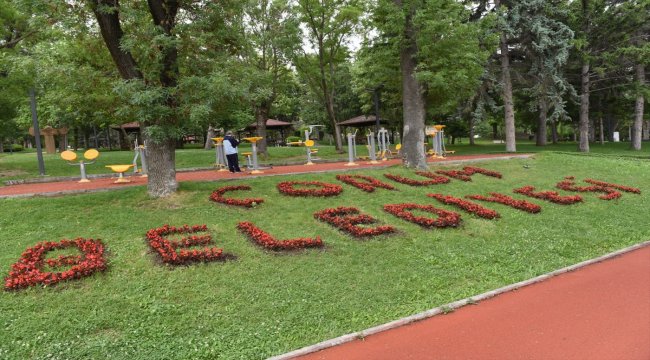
(29, 270)
(551, 196)
(288, 188)
(507, 200)
(468, 171)
(166, 248)
(412, 182)
(368, 184)
(346, 219)
(438, 179)
(569, 185)
(615, 186)
(445, 218)
(468, 206)
(269, 242)
(217, 196)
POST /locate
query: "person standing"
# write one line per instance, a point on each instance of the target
(230, 147)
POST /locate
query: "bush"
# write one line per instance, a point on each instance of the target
(16, 147)
(293, 139)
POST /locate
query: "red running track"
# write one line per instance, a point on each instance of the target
(599, 312)
(63, 187)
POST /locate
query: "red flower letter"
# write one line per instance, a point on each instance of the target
(267, 241)
(445, 218)
(29, 270)
(347, 219)
(166, 248)
(369, 183)
(217, 196)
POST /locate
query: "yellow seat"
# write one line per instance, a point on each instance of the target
(121, 169)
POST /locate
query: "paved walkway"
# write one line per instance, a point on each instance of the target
(599, 312)
(71, 187)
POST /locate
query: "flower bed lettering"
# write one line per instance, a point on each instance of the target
(322, 189)
(568, 184)
(167, 249)
(467, 172)
(413, 182)
(551, 196)
(439, 179)
(267, 241)
(445, 218)
(30, 269)
(217, 196)
(470, 207)
(522, 205)
(368, 183)
(614, 186)
(347, 219)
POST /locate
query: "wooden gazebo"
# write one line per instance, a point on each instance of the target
(272, 124)
(362, 121)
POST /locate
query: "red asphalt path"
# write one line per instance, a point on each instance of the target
(62, 187)
(599, 312)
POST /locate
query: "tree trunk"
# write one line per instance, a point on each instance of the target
(638, 110)
(162, 178)
(208, 139)
(471, 130)
(76, 139)
(161, 167)
(541, 122)
(261, 115)
(412, 100)
(508, 103)
(554, 131)
(602, 130)
(109, 25)
(495, 131)
(583, 125)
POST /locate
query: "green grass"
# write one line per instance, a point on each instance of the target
(23, 165)
(487, 147)
(265, 303)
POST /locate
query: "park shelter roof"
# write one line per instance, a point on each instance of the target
(361, 121)
(128, 126)
(271, 124)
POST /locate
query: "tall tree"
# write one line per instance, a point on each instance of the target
(328, 25)
(161, 145)
(441, 62)
(271, 37)
(506, 82)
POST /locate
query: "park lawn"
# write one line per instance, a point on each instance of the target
(621, 149)
(264, 303)
(23, 165)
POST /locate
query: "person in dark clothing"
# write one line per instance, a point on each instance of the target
(230, 148)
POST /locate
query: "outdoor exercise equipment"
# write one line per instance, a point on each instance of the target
(91, 155)
(120, 169)
(371, 147)
(438, 150)
(352, 149)
(384, 142)
(310, 143)
(253, 141)
(140, 152)
(220, 161)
